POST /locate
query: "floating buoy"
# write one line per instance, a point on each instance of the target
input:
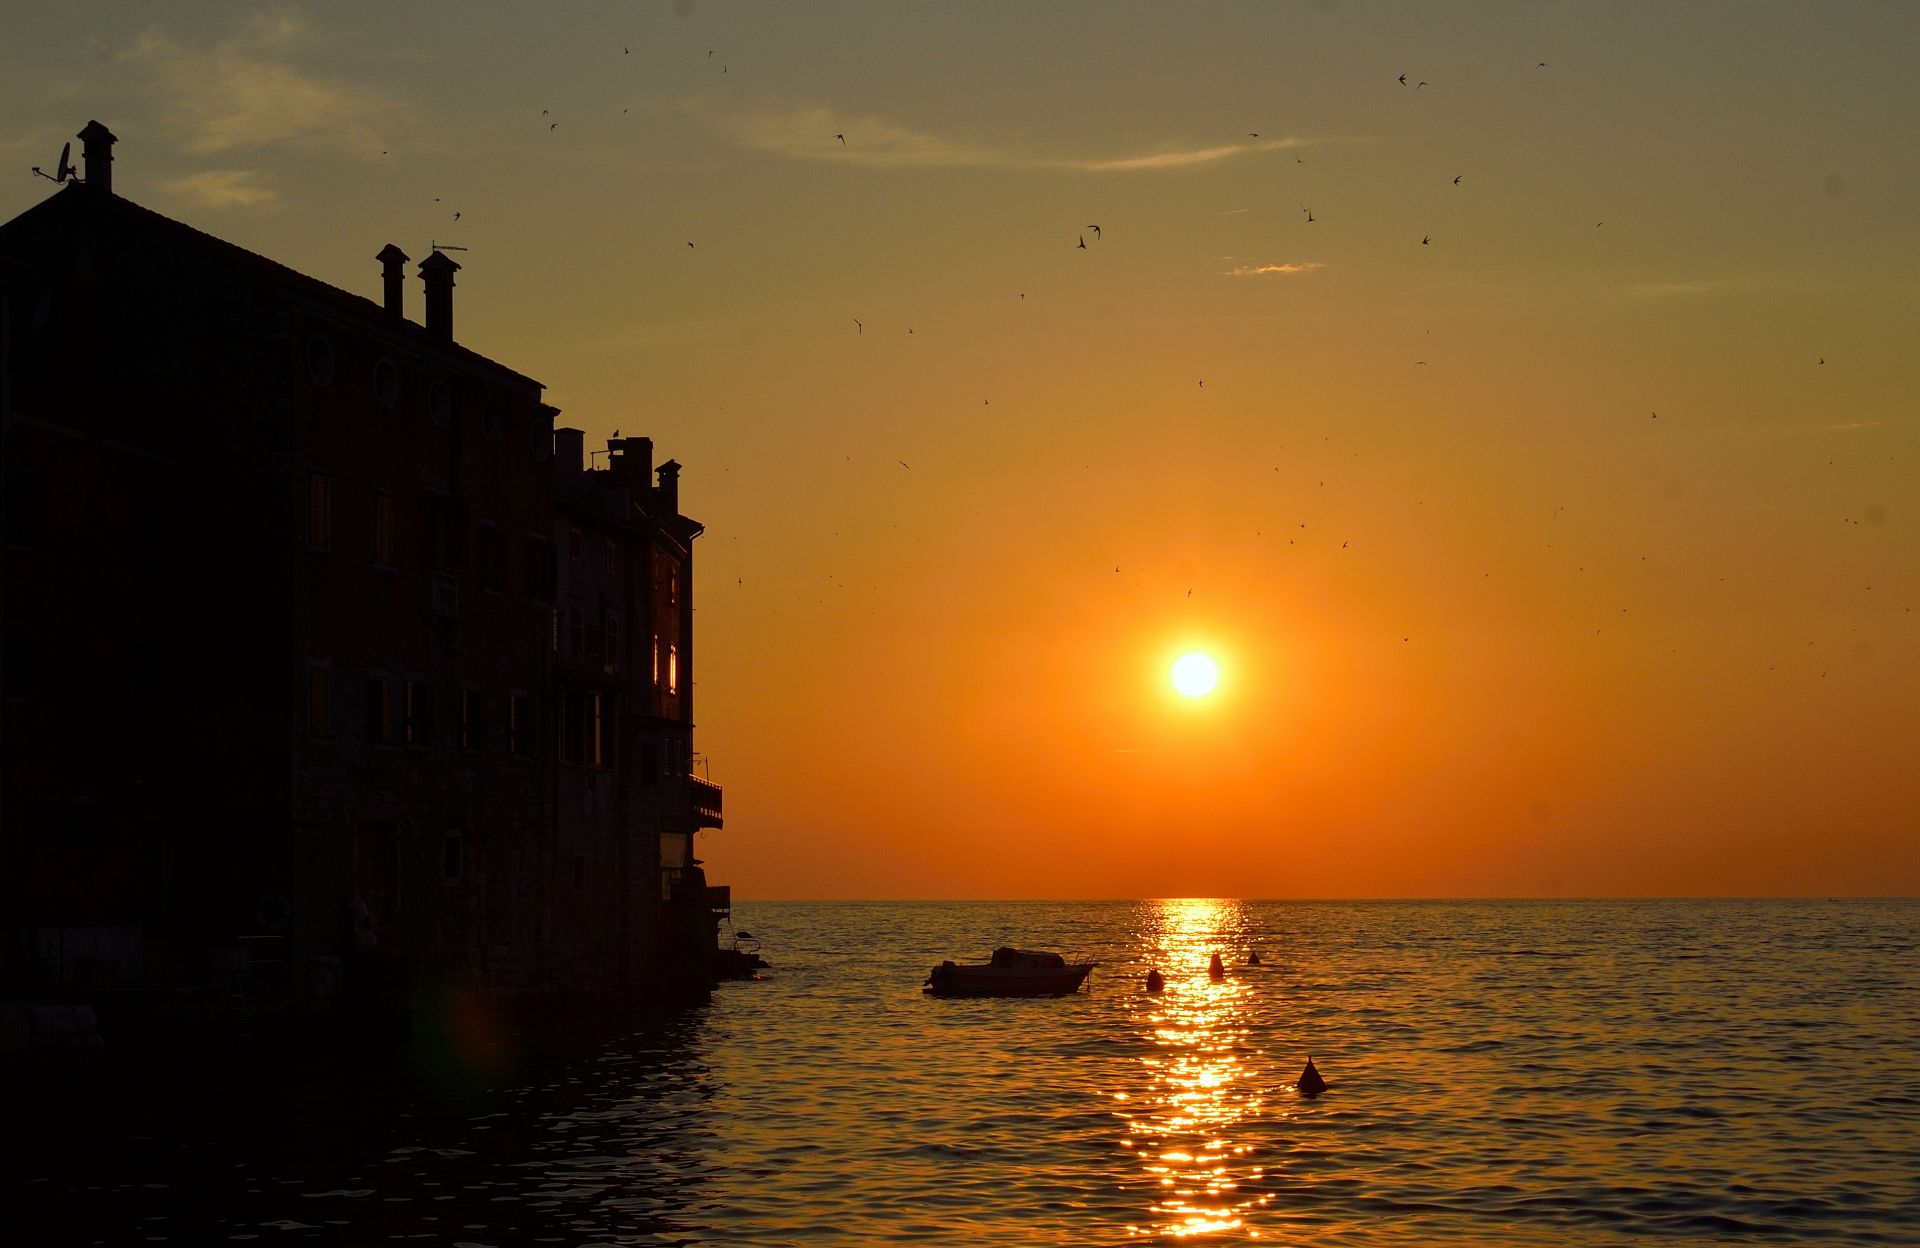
(1154, 981)
(1216, 968)
(1311, 1084)
(1253, 959)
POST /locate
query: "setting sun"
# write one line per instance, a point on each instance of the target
(1195, 675)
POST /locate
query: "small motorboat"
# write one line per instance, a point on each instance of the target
(1010, 973)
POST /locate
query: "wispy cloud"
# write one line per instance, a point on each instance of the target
(1277, 270)
(223, 188)
(244, 92)
(811, 132)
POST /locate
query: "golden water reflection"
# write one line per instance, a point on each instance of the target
(1205, 1080)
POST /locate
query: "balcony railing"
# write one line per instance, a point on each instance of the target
(705, 797)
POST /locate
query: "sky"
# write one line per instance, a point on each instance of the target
(1534, 444)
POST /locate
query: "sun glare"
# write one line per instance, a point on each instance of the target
(1195, 675)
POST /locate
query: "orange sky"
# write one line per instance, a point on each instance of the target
(1488, 625)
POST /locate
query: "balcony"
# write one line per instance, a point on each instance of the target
(704, 796)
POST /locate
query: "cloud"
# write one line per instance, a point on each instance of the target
(810, 132)
(1263, 270)
(243, 93)
(223, 188)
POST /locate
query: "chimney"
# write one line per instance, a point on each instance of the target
(636, 467)
(393, 276)
(669, 494)
(569, 448)
(97, 150)
(436, 271)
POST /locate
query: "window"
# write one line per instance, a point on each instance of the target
(386, 384)
(319, 511)
(612, 627)
(596, 751)
(673, 587)
(493, 559)
(383, 528)
(520, 725)
(541, 573)
(319, 712)
(320, 360)
(451, 854)
(653, 665)
(577, 630)
(383, 546)
(574, 545)
(440, 404)
(649, 764)
(613, 559)
(473, 720)
(571, 749)
(673, 669)
(379, 711)
(419, 713)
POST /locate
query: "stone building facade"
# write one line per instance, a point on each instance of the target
(299, 695)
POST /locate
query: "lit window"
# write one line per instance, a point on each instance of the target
(613, 565)
(574, 545)
(654, 664)
(673, 669)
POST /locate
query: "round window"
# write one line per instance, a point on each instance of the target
(440, 404)
(320, 360)
(386, 384)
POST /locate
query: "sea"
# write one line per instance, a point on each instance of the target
(1507, 1072)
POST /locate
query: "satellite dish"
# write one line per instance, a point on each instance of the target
(65, 170)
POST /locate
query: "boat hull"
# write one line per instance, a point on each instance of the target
(989, 981)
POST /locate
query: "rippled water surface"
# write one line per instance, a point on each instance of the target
(1499, 1073)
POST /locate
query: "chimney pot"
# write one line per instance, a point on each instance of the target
(96, 148)
(670, 488)
(393, 278)
(436, 273)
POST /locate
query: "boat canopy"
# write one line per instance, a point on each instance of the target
(1009, 957)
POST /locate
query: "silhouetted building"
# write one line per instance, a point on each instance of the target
(298, 690)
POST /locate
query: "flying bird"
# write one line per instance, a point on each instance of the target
(456, 216)
(1425, 239)
(1253, 134)
(689, 246)
(858, 328)
(903, 463)
(1403, 80)
(842, 138)
(1457, 177)
(1083, 243)
(543, 112)
(1541, 65)
(553, 127)
(1096, 232)
(1418, 85)
(1309, 213)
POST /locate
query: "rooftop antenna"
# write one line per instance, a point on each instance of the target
(445, 247)
(64, 172)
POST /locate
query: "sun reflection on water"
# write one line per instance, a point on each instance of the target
(1202, 1081)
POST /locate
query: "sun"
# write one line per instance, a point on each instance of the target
(1195, 674)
